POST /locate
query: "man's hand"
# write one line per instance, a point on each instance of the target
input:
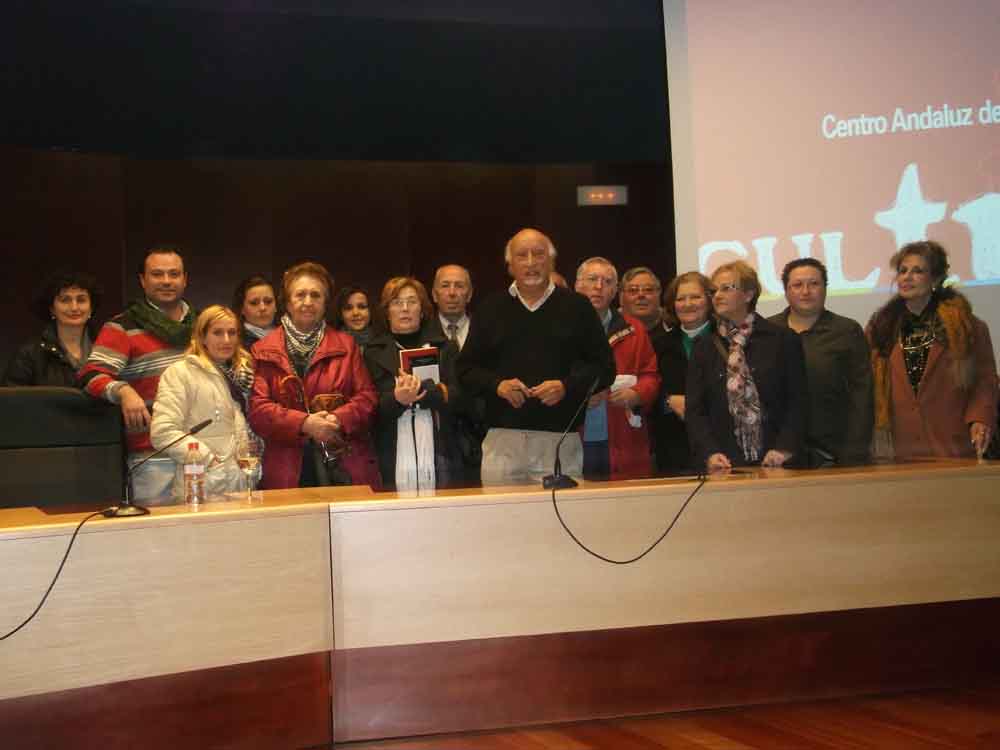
(134, 410)
(676, 405)
(597, 398)
(514, 392)
(549, 392)
(774, 458)
(626, 398)
(718, 462)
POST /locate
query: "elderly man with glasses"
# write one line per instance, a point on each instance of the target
(616, 430)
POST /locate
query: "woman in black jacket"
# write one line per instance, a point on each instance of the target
(414, 431)
(687, 308)
(66, 300)
(746, 384)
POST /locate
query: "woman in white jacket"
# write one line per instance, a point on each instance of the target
(211, 382)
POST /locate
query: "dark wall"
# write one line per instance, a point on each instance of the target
(378, 136)
(366, 221)
(491, 83)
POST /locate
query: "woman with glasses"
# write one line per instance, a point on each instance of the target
(313, 401)
(746, 383)
(933, 364)
(414, 432)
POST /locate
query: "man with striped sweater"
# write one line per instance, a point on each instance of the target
(132, 351)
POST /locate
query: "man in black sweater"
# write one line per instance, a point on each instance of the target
(533, 352)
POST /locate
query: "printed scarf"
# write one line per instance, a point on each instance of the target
(301, 346)
(741, 390)
(239, 379)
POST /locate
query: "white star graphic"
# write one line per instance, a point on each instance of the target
(910, 215)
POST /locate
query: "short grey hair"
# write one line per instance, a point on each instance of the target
(437, 273)
(597, 259)
(637, 271)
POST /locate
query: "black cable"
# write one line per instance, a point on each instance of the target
(51, 585)
(649, 549)
(416, 456)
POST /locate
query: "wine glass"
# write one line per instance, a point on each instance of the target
(249, 450)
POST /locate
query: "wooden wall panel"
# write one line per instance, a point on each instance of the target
(468, 685)
(59, 209)
(278, 703)
(365, 220)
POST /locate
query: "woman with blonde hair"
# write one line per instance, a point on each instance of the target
(212, 381)
(933, 365)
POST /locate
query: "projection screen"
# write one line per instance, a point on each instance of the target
(839, 131)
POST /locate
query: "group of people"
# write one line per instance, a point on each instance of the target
(617, 377)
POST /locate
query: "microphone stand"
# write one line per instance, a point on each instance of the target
(126, 508)
(557, 480)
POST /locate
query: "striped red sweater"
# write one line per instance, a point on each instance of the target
(125, 352)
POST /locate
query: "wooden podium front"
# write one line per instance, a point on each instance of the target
(339, 614)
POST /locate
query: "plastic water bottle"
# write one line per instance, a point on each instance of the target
(194, 476)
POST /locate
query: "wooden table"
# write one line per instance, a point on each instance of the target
(473, 609)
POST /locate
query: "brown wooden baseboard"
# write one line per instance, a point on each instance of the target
(500, 682)
(277, 703)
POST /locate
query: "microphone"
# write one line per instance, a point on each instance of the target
(127, 508)
(557, 480)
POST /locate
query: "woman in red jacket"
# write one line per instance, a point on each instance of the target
(313, 400)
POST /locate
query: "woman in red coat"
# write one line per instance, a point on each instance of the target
(934, 371)
(313, 401)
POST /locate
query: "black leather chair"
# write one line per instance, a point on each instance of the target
(58, 446)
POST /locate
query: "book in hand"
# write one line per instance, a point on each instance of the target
(425, 363)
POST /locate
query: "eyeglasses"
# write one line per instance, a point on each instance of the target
(401, 302)
(643, 289)
(594, 279)
(724, 288)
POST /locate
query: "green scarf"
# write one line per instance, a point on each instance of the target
(177, 334)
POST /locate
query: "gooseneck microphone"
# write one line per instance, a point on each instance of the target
(127, 508)
(557, 480)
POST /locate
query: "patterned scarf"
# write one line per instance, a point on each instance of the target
(176, 333)
(240, 380)
(301, 346)
(741, 390)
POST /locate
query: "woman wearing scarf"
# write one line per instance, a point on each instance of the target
(416, 446)
(212, 381)
(746, 383)
(313, 400)
(254, 300)
(933, 364)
